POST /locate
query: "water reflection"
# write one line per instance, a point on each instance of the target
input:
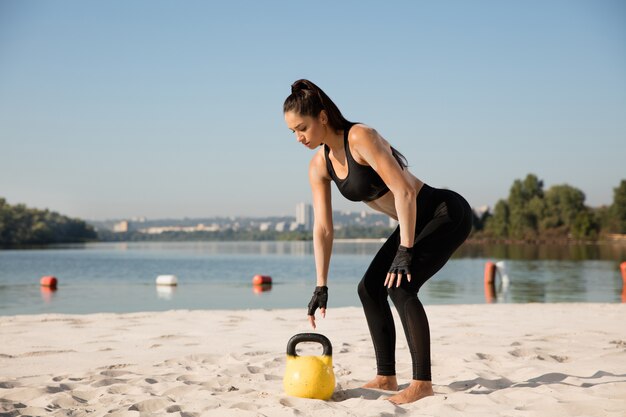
(444, 289)
(260, 289)
(165, 292)
(572, 252)
(47, 294)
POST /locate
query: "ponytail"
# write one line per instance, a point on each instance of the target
(307, 99)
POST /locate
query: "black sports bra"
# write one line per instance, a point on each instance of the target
(362, 183)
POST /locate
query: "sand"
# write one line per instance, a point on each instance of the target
(496, 360)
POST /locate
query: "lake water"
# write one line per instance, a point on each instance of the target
(120, 277)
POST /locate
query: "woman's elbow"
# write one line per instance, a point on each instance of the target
(405, 193)
(323, 231)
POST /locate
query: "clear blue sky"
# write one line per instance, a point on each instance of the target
(116, 109)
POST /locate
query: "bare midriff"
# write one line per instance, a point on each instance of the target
(387, 204)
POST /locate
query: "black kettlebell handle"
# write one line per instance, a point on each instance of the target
(309, 337)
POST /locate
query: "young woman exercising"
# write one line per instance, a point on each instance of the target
(433, 223)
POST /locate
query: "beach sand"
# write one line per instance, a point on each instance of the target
(495, 360)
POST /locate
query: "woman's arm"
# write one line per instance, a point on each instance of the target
(369, 146)
(323, 222)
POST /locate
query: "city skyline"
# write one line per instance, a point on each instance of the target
(302, 220)
(118, 110)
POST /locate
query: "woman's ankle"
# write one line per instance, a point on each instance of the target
(385, 382)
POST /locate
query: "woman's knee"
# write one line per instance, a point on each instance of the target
(399, 295)
(362, 291)
(369, 291)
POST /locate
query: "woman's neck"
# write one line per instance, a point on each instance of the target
(334, 140)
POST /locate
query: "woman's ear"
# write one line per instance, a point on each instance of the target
(323, 117)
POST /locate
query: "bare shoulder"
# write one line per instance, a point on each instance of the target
(364, 140)
(360, 133)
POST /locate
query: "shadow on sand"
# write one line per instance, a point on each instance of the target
(487, 386)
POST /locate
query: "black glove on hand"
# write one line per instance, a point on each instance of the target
(402, 262)
(319, 299)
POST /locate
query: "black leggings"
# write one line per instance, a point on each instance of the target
(444, 220)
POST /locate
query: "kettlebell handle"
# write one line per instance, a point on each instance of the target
(309, 337)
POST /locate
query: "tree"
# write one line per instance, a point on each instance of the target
(526, 207)
(22, 225)
(585, 225)
(618, 208)
(563, 205)
(498, 224)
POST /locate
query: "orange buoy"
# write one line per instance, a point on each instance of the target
(490, 293)
(48, 282)
(261, 280)
(490, 273)
(622, 267)
(490, 282)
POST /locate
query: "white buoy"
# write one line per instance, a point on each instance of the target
(169, 280)
(504, 274)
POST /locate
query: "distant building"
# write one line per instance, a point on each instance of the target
(121, 227)
(186, 229)
(304, 216)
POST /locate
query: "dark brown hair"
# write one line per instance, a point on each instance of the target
(307, 99)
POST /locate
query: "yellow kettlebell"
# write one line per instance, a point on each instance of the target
(309, 376)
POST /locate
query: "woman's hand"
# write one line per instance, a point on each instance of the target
(319, 300)
(400, 266)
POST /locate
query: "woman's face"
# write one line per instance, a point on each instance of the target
(309, 131)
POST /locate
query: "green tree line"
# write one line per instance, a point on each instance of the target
(20, 225)
(530, 213)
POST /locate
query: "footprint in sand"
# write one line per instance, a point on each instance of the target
(65, 402)
(114, 373)
(190, 379)
(43, 353)
(178, 393)
(245, 406)
(256, 353)
(9, 384)
(24, 394)
(123, 413)
(254, 369)
(151, 405)
(117, 366)
(168, 337)
(84, 397)
(106, 382)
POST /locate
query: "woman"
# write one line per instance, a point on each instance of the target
(433, 223)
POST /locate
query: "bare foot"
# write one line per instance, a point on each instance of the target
(415, 391)
(388, 383)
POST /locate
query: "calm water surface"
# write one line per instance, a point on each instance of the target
(120, 277)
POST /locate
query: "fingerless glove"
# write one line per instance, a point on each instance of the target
(319, 299)
(402, 262)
